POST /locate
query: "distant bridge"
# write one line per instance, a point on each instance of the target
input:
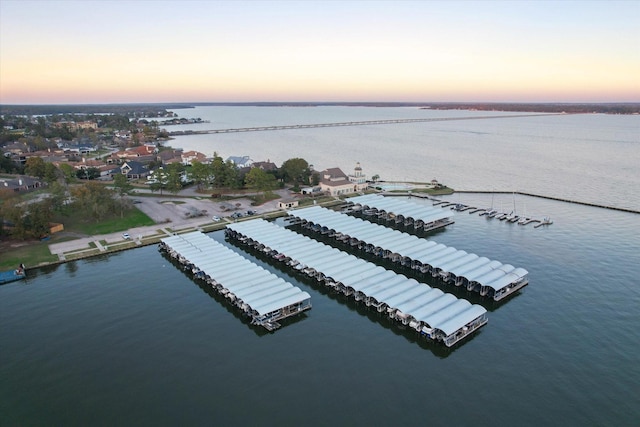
(359, 123)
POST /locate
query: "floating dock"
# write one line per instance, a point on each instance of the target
(401, 212)
(431, 312)
(261, 295)
(489, 278)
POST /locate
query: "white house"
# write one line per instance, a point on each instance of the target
(336, 183)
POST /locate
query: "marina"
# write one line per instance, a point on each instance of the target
(489, 278)
(432, 313)
(487, 212)
(399, 212)
(261, 295)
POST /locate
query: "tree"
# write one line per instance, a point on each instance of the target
(158, 180)
(51, 172)
(38, 218)
(57, 196)
(88, 173)
(68, 172)
(123, 188)
(35, 166)
(375, 178)
(296, 170)
(30, 220)
(93, 200)
(260, 180)
(9, 166)
(201, 173)
(175, 173)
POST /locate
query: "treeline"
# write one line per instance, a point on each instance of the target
(621, 108)
(154, 110)
(129, 110)
(74, 194)
(64, 196)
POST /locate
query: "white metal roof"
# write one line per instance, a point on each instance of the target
(438, 256)
(406, 208)
(262, 291)
(353, 272)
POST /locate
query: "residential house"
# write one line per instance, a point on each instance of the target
(21, 183)
(190, 156)
(265, 166)
(241, 162)
(133, 170)
(169, 156)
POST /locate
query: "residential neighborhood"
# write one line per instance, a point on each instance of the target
(81, 159)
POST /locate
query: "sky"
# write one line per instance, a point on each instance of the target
(117, 51)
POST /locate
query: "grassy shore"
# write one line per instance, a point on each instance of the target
(36, 252)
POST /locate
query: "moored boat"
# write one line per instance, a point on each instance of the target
(12, 275)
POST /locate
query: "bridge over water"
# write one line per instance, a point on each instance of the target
(356, 123)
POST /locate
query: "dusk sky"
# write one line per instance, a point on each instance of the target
(214, 51)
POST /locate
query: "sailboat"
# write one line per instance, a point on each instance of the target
(490, 213)
(524, 219)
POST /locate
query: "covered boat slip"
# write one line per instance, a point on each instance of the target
(431, 312)
(265, 297)
(489, 278)
(402, 212)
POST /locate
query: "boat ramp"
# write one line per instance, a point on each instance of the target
(434, 314)
(261, 295)
(489, 278)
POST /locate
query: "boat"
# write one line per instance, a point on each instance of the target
(546, 221)
(12, 275)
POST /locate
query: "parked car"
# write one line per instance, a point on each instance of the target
(126, 236)
(216, 218)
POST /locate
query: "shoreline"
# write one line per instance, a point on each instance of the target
(88, 247)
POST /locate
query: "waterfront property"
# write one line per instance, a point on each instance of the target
(434, 314)
(400, 212)
(457, 267)
(261, 295)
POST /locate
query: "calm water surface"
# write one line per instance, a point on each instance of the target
(128, 339)
(590, 158)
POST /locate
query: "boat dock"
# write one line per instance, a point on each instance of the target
(438, 316)
(492, 213)
(490, 279)
(261, 295)
(399, 212)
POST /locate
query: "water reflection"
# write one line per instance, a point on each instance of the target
(370, 313)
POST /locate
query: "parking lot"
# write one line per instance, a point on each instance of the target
(179, 210)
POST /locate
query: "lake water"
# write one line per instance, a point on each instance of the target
(128, 339)
(591, 158)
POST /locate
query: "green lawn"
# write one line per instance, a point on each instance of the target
(30, 255)
(133, 218)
